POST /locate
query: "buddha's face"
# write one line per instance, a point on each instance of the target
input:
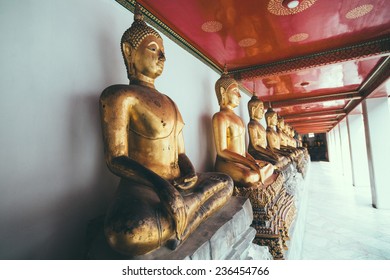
(281, 123)
(149, 58)
(272, 119)
(232, 96)
(258, 111)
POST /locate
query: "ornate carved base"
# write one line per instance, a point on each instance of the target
(274, 244)
(268, 208)
(274, 206)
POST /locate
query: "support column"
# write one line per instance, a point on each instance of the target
(350, 153)
(376, 117)
(330, 145)
(345, 153)
(358, 150)
(335, 159)
(341, 149)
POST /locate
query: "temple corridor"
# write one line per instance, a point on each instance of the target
(341, 224)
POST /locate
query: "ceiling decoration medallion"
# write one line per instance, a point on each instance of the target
(276, 7)
(211, 26)
(298, 37)
(247, 42)
(359, 11)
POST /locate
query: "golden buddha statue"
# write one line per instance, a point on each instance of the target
(280, 129)
(299, 140)
(285, 141)
(160, 198)
(229, 138)
(291, 133)
(273, 137)
(258, 146)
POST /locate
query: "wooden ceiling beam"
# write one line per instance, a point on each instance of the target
(315, 114)
(374, 81)
(313, 127)
(351, 95)
(379, 47)
(314, 119)
(312, 122)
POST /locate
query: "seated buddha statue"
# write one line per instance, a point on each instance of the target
(292, 136)
(258, 146)
(229, 138)
(299, 140)
(273, 137)
(160, 199)
(285, 141)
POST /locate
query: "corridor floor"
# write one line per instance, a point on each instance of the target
(341, 224)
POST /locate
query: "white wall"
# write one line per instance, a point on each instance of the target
(56, 58)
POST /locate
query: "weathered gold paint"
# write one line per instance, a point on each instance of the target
(273, 137)
(258, 145)
(160, 196)
(229, 138)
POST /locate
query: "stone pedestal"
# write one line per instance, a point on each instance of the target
(297, 230)
(225, 235)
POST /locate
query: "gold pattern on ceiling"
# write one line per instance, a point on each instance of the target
(298, 37)
(359, 11)
(275, 7)
(247, 42)
(211, 26)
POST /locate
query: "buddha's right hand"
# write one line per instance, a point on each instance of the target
(175, 206)
(254, 166)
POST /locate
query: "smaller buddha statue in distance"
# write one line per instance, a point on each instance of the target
(299, 140)
(290, 133)
(273, 137)
(293, 142)
(258, 146)
(160, 197)
(280, 129)
(229, 138)
(285, 141)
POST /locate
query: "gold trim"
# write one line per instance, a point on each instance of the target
(167, 31)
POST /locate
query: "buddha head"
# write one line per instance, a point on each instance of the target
(256, 108)
(142, 49)
(271, 117)
(227, 91)
(281, 123)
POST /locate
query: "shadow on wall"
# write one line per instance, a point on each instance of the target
(91, 196)
(64, 182)
(206, 146)
(206, 143)
(51, 223)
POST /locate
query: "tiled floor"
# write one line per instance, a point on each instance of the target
(341, 224)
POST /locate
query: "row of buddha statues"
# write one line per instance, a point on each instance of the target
(261, 171)
(161, 199)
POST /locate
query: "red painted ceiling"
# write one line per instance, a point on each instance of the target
(319, 59)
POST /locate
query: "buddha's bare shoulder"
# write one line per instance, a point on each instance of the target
(219, 116)
(253, 123)
(122, 91)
